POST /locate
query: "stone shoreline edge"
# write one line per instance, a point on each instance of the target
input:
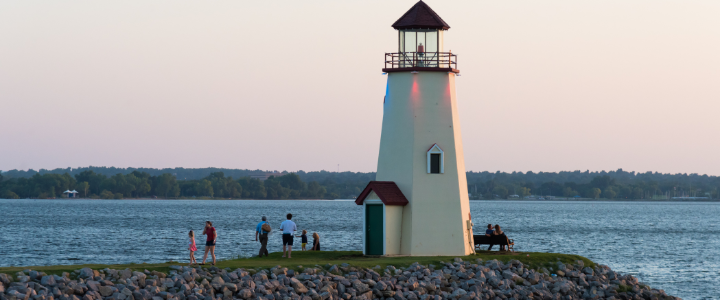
(452, 279)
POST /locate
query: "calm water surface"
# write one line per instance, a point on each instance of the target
(672, 246)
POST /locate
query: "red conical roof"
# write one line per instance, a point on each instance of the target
(420, 16)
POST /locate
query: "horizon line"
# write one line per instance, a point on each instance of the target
(329, 171)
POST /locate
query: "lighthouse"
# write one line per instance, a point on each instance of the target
(419, 204)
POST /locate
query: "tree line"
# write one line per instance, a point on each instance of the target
(96, 182)
(143, 185)
(617, 184)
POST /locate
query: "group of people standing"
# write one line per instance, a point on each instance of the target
(262, 231)
(288, 228)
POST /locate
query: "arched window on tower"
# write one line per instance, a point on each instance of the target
(435, 160)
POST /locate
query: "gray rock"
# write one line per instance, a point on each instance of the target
(534, 278)
(86, 273)
(562, 287)
(278, 271)
(580, 263)
(106, 291)
(493, 281)
(508, 274)
(388, 294)
(92, 285)
(138, 296)
(218, 280)
(588, 270)
(493, 264)
(125, 274)
(231, 286)
(48, 280)
(5, 279)
(582, 282)
(459, 293)
(298, 286)
(139, 275)
(150, 282)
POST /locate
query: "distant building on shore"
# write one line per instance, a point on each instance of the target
(266, 175)
(691, 198)
(70, 194)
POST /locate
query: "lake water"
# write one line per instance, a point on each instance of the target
(672, 246)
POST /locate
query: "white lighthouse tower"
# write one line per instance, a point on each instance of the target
(419, 203)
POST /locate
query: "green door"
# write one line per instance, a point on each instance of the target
(374, 230)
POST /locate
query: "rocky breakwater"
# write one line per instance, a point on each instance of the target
(457, 280)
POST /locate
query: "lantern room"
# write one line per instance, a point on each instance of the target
(420, 42)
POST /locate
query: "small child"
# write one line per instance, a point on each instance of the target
(304, 239)
(192, 247)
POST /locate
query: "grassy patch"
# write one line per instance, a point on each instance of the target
(534, 260)
(624, 288)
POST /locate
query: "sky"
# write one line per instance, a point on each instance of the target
(297, 85)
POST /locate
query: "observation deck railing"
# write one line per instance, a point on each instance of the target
(404, 60)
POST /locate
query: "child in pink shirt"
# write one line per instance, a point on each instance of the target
(192, 247)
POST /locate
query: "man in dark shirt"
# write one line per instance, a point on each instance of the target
(489, 233)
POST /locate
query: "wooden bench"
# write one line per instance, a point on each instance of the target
(481, 239)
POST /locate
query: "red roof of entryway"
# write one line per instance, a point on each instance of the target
(388, 192)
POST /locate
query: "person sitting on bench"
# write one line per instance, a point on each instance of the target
(500, 235)
(489, 233)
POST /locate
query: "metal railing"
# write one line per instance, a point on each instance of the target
(420, 60)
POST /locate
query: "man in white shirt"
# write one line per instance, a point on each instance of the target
(288, 228)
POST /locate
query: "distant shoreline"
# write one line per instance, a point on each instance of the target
(481, 200)
(601, 200)
(143, 199)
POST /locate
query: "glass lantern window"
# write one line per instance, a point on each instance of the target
(411, 40)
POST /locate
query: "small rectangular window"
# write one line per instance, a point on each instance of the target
(435, 163)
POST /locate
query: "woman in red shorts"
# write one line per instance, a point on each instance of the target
(210, 243)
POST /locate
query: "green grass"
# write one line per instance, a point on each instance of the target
(534, 260)
(624, 288)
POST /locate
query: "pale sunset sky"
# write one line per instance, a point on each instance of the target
(297, 85)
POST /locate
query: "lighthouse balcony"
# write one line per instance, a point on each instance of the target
(421, 61)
